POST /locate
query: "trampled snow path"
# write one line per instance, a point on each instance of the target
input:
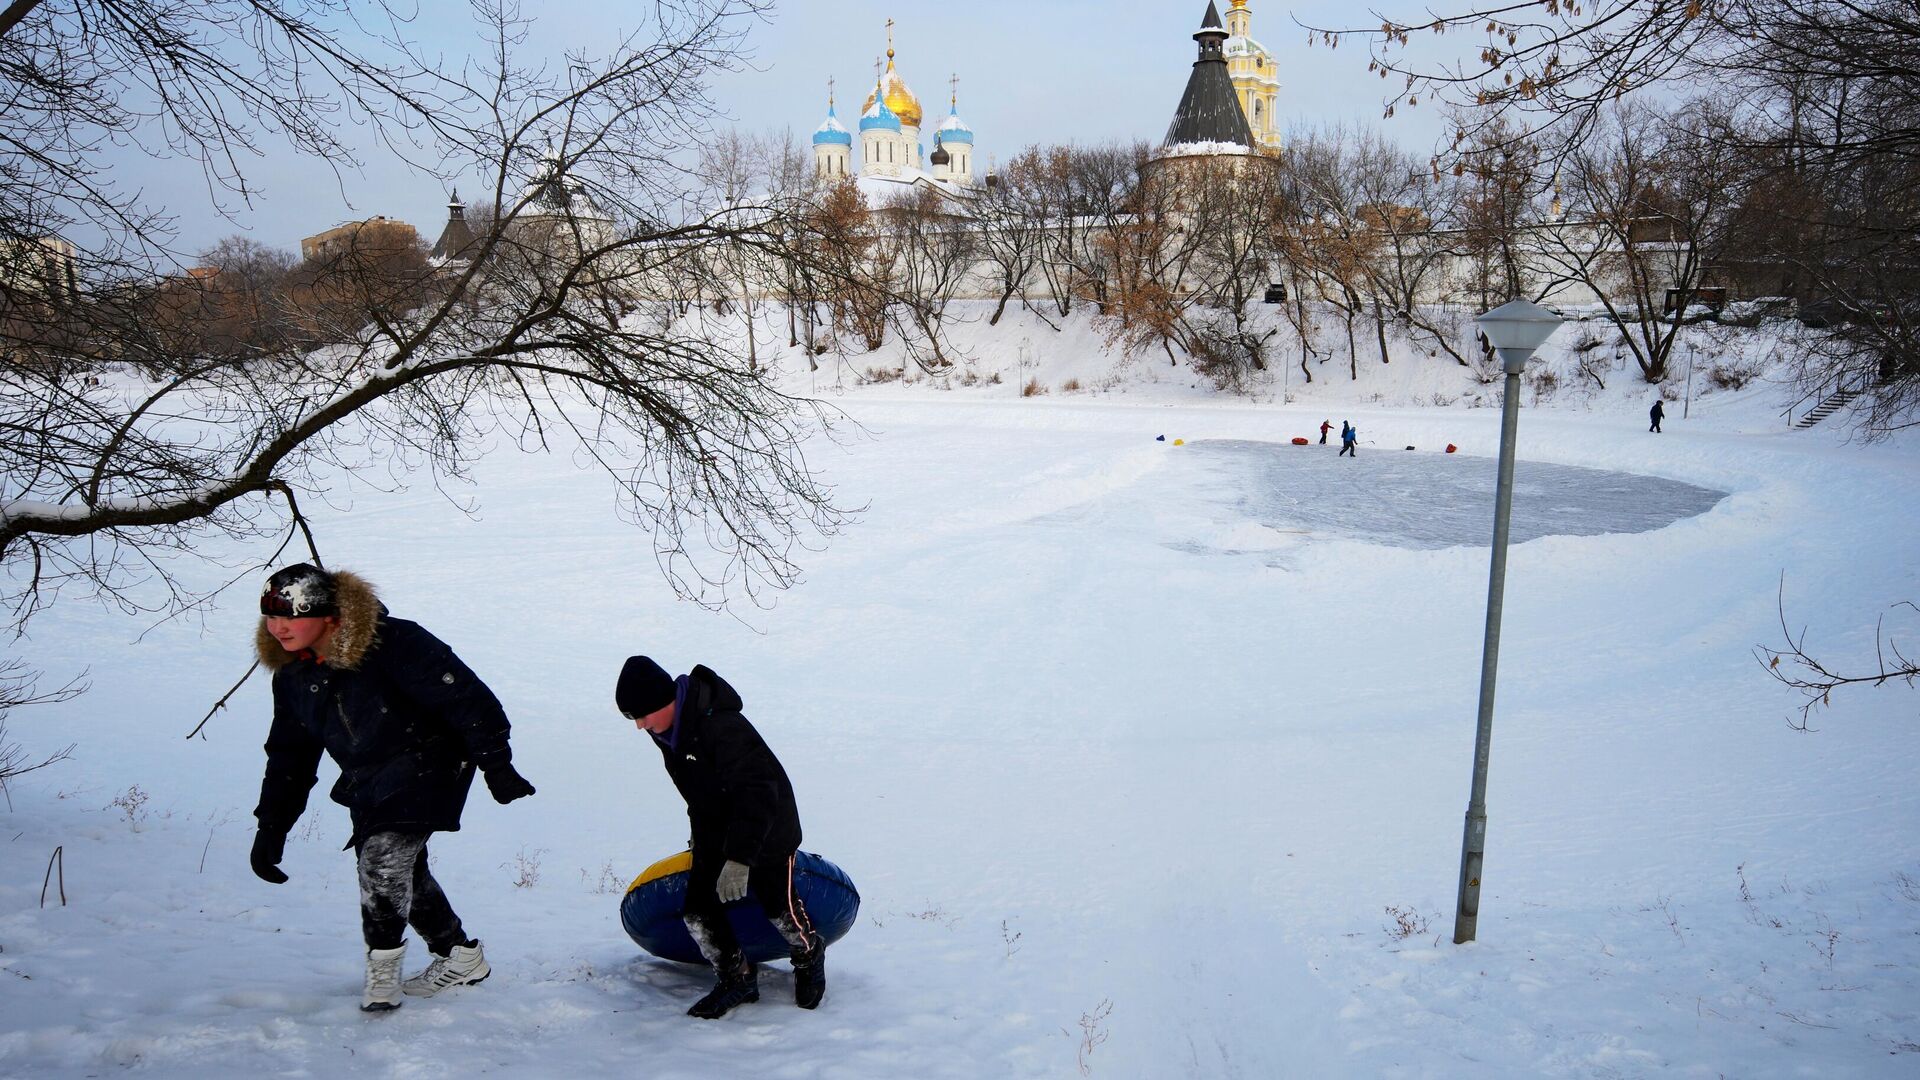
(1111, 803)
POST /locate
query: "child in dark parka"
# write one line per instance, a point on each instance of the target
(745, 826)
(408, 724)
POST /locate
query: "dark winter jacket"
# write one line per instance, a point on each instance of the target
(1657, 412)
(738, 796)
(404, 719)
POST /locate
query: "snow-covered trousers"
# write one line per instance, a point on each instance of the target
(398, 891)
(771, 883)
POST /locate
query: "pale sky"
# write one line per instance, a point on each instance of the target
(1031, 71)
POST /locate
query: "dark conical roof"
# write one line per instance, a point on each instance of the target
(1210, 111)
(457, 236)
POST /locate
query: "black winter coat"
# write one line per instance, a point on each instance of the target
(738, 796)
(404, 719)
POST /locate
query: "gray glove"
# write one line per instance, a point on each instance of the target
(733, 882)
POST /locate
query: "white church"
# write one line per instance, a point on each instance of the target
(892, 154)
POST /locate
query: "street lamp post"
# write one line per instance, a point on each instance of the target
(1514, 329)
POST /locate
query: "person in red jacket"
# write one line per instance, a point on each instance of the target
(746, 826)
(1325, 426)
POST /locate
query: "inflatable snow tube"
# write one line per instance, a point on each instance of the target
(1299, 440)
(650, 912)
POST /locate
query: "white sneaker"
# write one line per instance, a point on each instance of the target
(460, 967)
(383, 979)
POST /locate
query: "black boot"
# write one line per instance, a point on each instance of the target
(739, 984)
(809, 958)
(810, 975)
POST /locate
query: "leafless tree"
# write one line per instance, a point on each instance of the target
(1326, 238)
(789, 175)
(861, 271)
(537, 335)
(1092, 188)
(1828, 95)
(1650, 198)
(18, 688)
(1051, 198)
(1413, 211)
(750, 170)
(1011, 219)
(1237, 201)
(937, 244)
(1499, 188)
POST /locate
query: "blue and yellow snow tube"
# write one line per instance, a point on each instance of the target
(650, 912)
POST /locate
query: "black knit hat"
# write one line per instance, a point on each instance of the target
(644, 687)
(300, 591)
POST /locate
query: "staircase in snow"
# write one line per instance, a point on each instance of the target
(1834, 402)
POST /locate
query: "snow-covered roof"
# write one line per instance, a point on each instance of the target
(955, 130)
(831, 130)
(1241, 45)
(1201, 149)
(879, 116)
(879, 190)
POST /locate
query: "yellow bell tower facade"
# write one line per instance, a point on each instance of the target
(1256, 78)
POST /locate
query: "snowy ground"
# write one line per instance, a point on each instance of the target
(1149, 761)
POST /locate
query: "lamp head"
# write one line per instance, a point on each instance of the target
(1516, 328)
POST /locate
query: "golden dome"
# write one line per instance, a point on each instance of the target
(899, 98)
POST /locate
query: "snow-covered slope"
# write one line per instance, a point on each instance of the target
(1585, 368)
(1139, 775)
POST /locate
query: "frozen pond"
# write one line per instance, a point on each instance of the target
(1417, 499)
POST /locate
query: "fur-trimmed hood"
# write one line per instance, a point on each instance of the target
(360, 611)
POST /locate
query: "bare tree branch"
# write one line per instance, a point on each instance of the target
(1816, 680)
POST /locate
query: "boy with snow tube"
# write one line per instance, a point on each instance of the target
(745, 824)
(407, 722)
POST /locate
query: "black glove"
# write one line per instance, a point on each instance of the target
(507, 785)
(268, 847)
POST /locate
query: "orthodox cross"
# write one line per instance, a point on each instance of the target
(954, 82)
(889, 39)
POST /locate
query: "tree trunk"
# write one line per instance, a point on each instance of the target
(1353, 353)
(1001, 307)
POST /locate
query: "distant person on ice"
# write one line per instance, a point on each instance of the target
(745, 824)
(1349, 440)
(1326, 426)
(407, 723)
(1657, 414)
